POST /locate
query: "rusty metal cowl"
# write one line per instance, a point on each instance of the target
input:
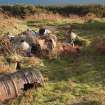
(13, 85)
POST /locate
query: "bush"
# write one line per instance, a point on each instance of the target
(81, 10)
(99, 10)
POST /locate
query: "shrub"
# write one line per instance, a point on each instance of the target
(81, 10)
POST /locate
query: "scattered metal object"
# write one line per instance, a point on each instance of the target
(14, 84)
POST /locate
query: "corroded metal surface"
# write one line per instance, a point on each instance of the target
(14, 84)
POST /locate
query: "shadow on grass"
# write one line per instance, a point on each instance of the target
(88, 103)
(93, 25)
(85, 69)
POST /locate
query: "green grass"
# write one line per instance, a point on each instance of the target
(44, 22)
(76, 80)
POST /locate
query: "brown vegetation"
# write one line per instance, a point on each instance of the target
(27, 10)
(44, 16)
(100, 46)
(68, 50)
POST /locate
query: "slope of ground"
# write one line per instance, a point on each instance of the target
(10, 24)
(77, 80)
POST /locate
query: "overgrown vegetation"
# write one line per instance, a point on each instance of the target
(81, 10)
(21, 10)
(77, 80)
(11, 25)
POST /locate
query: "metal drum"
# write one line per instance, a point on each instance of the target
(14, 84)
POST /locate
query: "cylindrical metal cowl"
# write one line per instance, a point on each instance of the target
(12, 85)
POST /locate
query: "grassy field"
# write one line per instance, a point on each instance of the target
(76, 80)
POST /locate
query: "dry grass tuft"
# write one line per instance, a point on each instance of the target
(44, 16)
(31, 62)
(4, 66)
(10, 24)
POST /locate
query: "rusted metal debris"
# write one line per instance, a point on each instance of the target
(14, 84)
